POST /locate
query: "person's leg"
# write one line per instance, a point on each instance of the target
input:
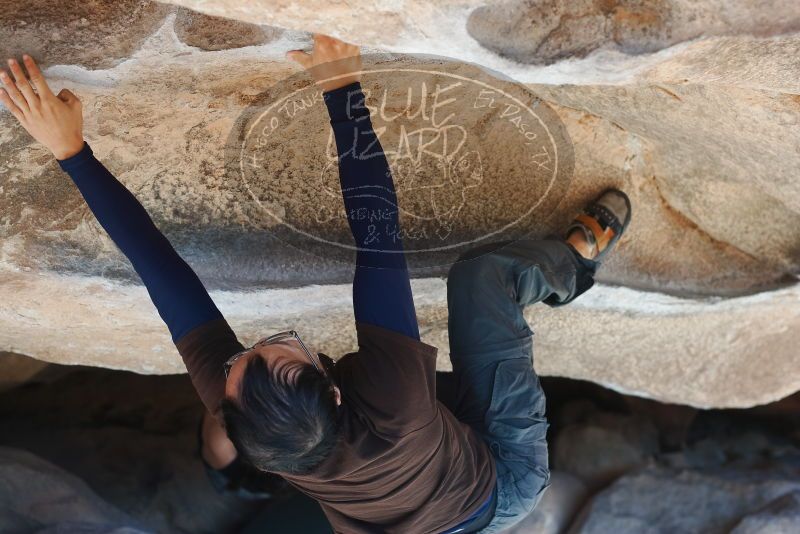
(497, 390)
(487, 289)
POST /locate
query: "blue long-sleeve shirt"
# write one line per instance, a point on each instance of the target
(381, 287)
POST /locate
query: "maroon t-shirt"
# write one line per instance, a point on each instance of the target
(404, 464)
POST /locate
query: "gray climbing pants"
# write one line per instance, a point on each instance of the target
(493, 386)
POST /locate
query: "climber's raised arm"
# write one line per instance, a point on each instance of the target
(381, 287)
(183, 303)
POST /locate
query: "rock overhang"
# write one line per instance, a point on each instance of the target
(699, 132)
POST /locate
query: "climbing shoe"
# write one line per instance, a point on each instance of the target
(603, 222)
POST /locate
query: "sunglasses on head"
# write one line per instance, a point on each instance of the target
(277, 338)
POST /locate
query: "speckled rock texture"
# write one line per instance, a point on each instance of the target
(690, 107)
(779, 516)
(40, 497)
(217, 33)
(687, 501)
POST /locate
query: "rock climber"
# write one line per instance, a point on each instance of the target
(380, 439)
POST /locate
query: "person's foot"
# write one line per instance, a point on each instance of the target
(597, 229)
(578, 240)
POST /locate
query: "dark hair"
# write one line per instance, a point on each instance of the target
(286, 418)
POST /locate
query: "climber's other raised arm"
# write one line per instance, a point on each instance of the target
(179, 296)
(381, 286)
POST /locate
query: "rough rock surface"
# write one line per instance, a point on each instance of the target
(693, 113)
(39, 497)
(628, 442)
(780, 516)
(91, 34)
(663, 500)
(217, 33)
(545, 31)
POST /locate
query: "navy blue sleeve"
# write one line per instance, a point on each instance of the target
(174, 288)
(381, 286)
